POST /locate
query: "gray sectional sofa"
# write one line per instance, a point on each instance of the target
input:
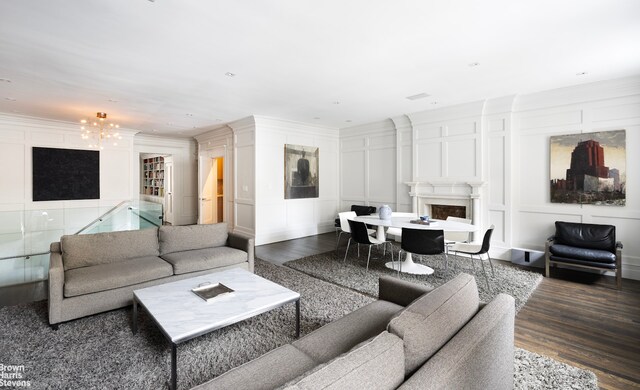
(93, 273)
(410, 338)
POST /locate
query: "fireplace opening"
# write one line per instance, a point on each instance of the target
(440, 211)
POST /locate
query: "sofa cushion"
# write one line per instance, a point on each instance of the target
(430, 321)
(267, 372)
(203, 259)
(184, 238)
(585, 254)
(86, 280)
(343, 334)
(85, 250)
(377, 363)
(586, 235)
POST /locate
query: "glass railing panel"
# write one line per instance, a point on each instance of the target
(26, 235)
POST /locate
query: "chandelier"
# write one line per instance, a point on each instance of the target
(100, 131)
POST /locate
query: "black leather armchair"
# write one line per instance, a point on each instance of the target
(586, 246)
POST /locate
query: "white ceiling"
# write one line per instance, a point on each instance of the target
(161, 65)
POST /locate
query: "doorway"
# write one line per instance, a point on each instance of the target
(211, 180)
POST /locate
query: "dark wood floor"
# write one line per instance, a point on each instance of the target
(574, 317)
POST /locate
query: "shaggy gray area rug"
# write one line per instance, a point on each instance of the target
(352, 273)
(533, 371)
(100, 352)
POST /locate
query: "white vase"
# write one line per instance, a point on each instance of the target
(385, 212)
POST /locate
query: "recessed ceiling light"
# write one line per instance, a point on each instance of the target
(229, 74)
(10, 99)
(418, 96)
(5, 80)
(581, 73)
(474, 64)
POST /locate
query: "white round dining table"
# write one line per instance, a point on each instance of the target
(408, 265)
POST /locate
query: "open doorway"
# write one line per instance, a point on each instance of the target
(211, 180)
(156, 182)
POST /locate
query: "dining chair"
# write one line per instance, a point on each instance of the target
(453, 237)
(344, 225)
(422, 242)
(477, 250)
(397, 232)
(360, 234)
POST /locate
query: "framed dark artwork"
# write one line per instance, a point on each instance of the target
(65, 174)
(588, 168)
(301, 175)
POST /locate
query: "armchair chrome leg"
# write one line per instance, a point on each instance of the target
(358, 250)
(368, 257)
(347, 251)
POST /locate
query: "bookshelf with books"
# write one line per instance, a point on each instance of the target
(153, 176)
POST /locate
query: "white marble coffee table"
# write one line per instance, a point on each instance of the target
(181, 315)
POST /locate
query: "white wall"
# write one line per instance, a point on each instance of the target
(611, 105)
(281, 219)
(504, 144)
(28, 227)
(370, 165)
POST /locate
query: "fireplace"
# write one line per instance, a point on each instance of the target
(440, 199)
(441, 211)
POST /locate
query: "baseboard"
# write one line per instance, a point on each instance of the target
(305, 231)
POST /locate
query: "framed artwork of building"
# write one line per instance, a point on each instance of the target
(588, 168)
(301, 176)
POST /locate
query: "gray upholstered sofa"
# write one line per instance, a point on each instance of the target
(410, 338)
(93, 273)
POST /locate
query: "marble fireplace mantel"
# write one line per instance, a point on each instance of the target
(452, 193)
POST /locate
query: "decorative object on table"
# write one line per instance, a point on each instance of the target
(384, 212)
(422, 221)
(588, 168)
(301, 175)
(208, 291)
(425, 218)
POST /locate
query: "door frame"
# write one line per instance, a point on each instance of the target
(218, 152)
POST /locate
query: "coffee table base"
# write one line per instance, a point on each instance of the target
(173, 381)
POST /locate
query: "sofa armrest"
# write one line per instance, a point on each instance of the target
(56, 287)
(479, 356)
(399, 291)
(244, 243)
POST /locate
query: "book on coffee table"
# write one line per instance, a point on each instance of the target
(211, 291)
